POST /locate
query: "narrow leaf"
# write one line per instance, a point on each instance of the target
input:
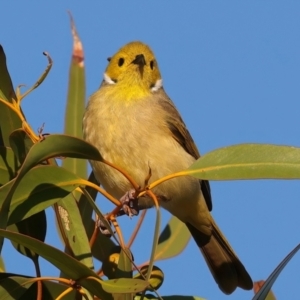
(40, 188)
(7, 165)
(70, 266)
(124, 265)
(74, 231)
(156, 278)
(125, 285)
(174, 297)
(35, 226)
(110, 263)
(13, 287)
(51, 146)
(102, 246)
(172, 240)
(248, 161)
(75, 102)
(50, 291)
(77, 271)
(124, 270)
(2, 265)
(9, 120)
(257, 285)
(59, 145)
(265, 289)
(20, 144)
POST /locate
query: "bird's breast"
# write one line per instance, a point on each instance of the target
(136, 139)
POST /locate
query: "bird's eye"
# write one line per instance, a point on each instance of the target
(121, 62)
(109, 59)
(151, 64)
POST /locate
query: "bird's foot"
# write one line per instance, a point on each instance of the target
(130, 206)
(103, 228)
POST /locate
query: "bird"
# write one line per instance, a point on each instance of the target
(135, 125)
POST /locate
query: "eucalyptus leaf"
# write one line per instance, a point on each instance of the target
(265, 289)
(248, 161)
(70, 266)
(172, 240)
(13, 286)
(40, 188)
(7, 165)
(35, 226)
(75, 102)
(9, 120)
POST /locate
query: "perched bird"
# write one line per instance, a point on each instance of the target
(134, 124)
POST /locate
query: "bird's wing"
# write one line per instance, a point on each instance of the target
(183, 137)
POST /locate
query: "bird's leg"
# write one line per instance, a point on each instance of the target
(131, 207)
(103, 228)
(134, 205)
(131, 203)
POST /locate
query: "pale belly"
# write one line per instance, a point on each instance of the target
(163, 160)
(136, 143)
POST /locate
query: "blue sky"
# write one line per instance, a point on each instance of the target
(233, 70)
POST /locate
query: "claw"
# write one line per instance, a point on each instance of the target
(103, 228)
(130, 204)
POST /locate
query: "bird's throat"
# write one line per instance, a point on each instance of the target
(128, 92)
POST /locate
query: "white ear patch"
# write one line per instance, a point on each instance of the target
(107, 79)
(157, 85)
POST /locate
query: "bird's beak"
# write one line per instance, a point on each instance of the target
(141, 62)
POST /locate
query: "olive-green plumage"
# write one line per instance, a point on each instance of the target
(135, 125)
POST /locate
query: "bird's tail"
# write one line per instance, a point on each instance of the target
(226, 268)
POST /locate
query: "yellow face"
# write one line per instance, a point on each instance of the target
(134, 69)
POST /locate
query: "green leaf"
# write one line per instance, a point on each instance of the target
(13, 287)
(51, 146)
(99, 213)
(2, 265)
(73, 126)
(75, 102)
(124, 270)
(175, 297)
(154, 243)
(50, 291)
(172, 240)
(59, 145)
(248, 161)
(35, 226)
(7, 165)
(74, 231)
(156, 278)
(9, 120)
(6, 87)
(40, 188)
(263, 292)
(20, 144)
(103, 245)
(110, 263)
(124, 265)
(70, 266)
(270, 296)
(77, 271)
(125, 285)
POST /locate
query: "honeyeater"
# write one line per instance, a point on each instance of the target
(135, 125)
